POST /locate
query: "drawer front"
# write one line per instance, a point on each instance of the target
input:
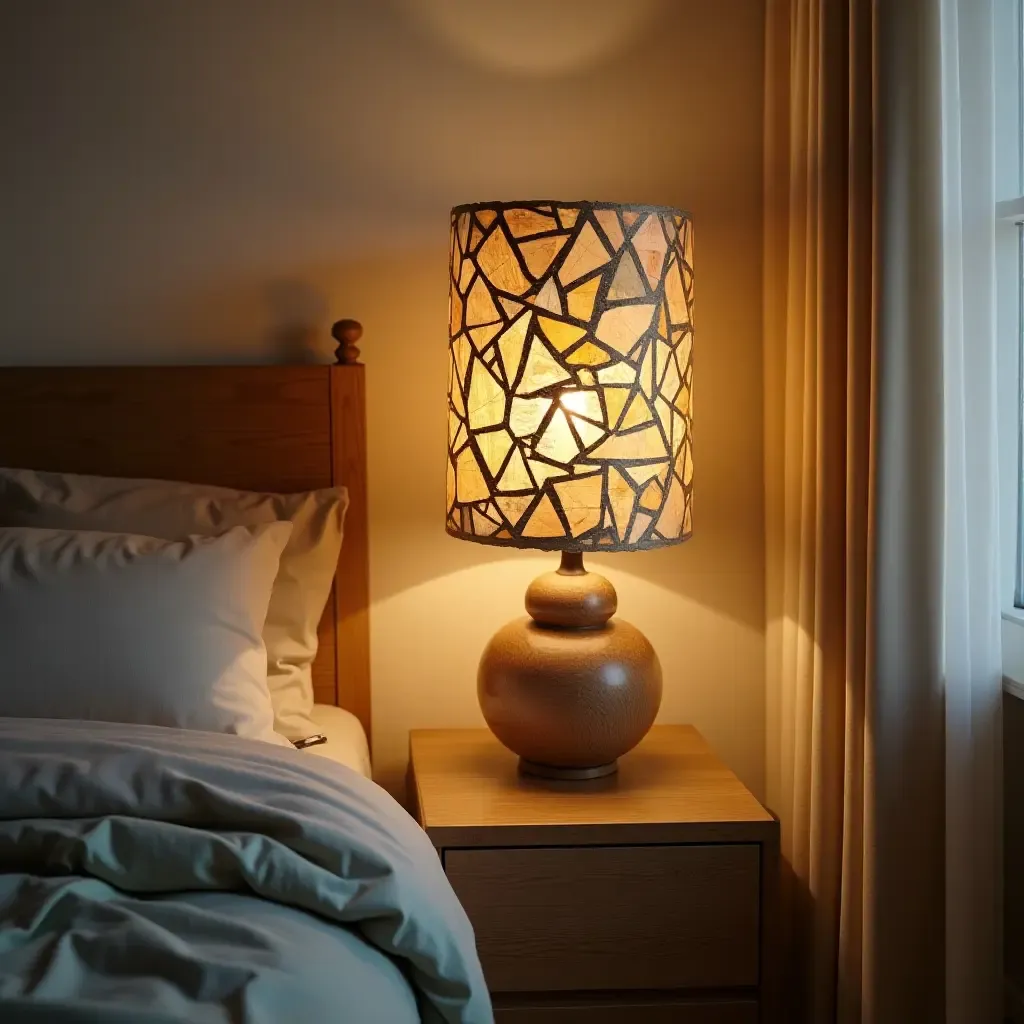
(740, 1012)
(612, 918)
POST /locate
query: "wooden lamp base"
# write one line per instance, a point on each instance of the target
(568, 689)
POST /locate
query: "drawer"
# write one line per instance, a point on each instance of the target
(733, 1012)
(612, 918)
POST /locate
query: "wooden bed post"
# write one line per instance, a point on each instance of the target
(352, 590)
(347, 334)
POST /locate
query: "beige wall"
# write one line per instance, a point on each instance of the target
(214, 180)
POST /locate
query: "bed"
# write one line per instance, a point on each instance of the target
(151, 873)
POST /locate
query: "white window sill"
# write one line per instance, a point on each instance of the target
(1011, 210)
(1013, 652)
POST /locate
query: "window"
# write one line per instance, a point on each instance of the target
(1009, 212)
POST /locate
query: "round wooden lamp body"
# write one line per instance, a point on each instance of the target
(569, 689)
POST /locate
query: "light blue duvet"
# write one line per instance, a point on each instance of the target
(151, 875)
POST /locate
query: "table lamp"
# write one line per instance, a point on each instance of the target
(569, 412)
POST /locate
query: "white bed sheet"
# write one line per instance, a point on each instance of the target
(346, 739)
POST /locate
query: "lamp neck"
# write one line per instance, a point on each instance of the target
(572, 564)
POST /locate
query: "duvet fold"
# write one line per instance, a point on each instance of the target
(157, 875)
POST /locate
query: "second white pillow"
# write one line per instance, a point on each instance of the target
(125, 628)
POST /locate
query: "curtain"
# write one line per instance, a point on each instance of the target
(883, 665)
(819, 434)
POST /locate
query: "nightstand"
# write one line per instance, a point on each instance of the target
(646, 897)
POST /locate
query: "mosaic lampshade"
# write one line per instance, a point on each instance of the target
(570, 380)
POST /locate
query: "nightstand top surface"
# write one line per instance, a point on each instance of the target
(672, 787)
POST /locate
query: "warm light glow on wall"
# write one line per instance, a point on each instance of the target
(576, 34)
(571, 380)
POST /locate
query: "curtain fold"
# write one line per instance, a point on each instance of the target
(883, 663)
(819, 360)
(972, 634)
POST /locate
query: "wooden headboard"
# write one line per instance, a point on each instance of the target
(260, 428)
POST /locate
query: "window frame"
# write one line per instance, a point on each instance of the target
(1008, 67)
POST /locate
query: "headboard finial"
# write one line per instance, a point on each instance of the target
(347, 334)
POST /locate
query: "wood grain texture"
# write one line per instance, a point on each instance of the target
(670, 789)
(641, 917)
(569, 597)
(566, 689)
(591, 1011)
(347, 334)
(663, 874)
(565, 699)
(248, 427)
(352, 584)
(263, 428)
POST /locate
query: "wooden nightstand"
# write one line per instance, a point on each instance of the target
(643, 898)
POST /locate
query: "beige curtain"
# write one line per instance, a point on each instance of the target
(881, 471)
(819, 358)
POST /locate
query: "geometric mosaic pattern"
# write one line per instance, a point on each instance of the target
(570, 380)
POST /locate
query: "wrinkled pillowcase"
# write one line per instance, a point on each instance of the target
(167, 509)
(122, 628)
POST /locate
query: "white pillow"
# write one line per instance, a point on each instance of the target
(171, 510)
(123, 628)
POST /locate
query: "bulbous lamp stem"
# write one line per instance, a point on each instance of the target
(569, 689)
